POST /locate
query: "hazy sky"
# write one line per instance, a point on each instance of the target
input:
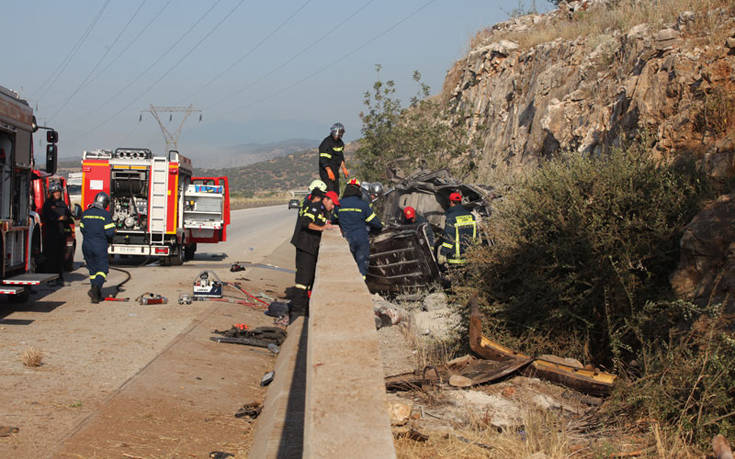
(260, 71)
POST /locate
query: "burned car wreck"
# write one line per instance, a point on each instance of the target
(403, 258)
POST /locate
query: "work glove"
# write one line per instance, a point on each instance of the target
(346, 172)
(330, 174)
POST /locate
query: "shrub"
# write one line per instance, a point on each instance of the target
(581, 246)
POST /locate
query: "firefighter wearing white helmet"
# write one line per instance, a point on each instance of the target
(332, 158)
(316, 187)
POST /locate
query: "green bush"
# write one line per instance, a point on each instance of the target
(580, 247)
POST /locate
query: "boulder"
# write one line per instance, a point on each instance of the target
(706, 270)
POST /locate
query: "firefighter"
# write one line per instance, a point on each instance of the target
(460, 231)
(319, 185)
(306, 237)
(410, 217)
(355, 216)
(332, 158)
(97, 228)
(55, 216)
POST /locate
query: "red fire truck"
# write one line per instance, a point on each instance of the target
(159, 209)
(18, 225)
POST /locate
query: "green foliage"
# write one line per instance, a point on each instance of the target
(581, 246)
(419, 136)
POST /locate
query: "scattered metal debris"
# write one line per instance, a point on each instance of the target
(185, 298)
(265, 337)
(267, 266)
(251, 410)
(267, 378)
(236, 266)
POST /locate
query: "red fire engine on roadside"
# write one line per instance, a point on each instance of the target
(158, 208)
(19, 226)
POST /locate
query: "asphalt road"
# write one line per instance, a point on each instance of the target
(90, 351)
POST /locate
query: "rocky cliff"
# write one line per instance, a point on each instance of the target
(588, 75)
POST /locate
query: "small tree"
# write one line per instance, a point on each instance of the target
(420, 136)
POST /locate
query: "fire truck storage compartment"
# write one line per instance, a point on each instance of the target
(203, 209)
(129, 195)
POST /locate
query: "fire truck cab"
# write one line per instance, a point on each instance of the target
(19, 225)
(158, 208)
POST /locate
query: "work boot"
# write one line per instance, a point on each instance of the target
(95, 294)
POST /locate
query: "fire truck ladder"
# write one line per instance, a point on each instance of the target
(159, 199)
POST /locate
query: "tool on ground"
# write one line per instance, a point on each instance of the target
(112, 298)
(267, 378)
(251, 410)
(151, 298)
(236, 266)
(266, 337)
(207, 285)
(185, 298)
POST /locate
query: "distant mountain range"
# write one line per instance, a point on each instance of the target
(230, 156)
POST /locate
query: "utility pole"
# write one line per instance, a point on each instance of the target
(172, 140)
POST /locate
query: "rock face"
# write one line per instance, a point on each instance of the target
(706, 272)
(589, 93)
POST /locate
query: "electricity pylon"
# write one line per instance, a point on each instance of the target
(172, 140)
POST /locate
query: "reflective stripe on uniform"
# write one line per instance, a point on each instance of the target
(81, 224)
(109, 225)
(456, 261)
(301, 286)
(463, 221)
(325, 155)
(310, 215)
(349, 209)
(338, 148)
(447, 245)
(370, 217)
(100, 273)
(95, 217)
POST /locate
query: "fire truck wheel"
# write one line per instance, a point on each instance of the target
(177, 258)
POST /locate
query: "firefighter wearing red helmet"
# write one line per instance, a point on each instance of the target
(460, 231)
(332, 158)
(411, 217)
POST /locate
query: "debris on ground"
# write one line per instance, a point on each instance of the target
(220, 455)
(266, 337)
(236, 266)
(251, 410)
(267, 378)
(6, 431)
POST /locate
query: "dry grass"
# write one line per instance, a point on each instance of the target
(32, 357)
(620, 17)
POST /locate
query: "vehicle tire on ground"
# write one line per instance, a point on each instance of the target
(177, 259)
(189, 251)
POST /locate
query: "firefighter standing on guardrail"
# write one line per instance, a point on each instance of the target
(332, 158)
(55, 216)
(306, 237)
(355, 216)
(97, 228)
(460, 231)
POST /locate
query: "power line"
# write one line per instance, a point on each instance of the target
(341, 58)
(165, 74)
(295, 56)
(156, 61)
(132, 42)
(255, 48)
(104, 55)
(65, 63)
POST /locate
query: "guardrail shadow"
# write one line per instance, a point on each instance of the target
(292, 437)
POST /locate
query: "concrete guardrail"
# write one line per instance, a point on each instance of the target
(328, 396)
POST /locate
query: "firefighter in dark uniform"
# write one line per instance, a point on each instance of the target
(319, 185)
(460, 231)
(97, 228)
(332, 158)
(306, 237)
(355, 216)
(55, 216)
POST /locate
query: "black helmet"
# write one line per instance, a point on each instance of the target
(54, 187)
(101, 200)
(337, 128)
